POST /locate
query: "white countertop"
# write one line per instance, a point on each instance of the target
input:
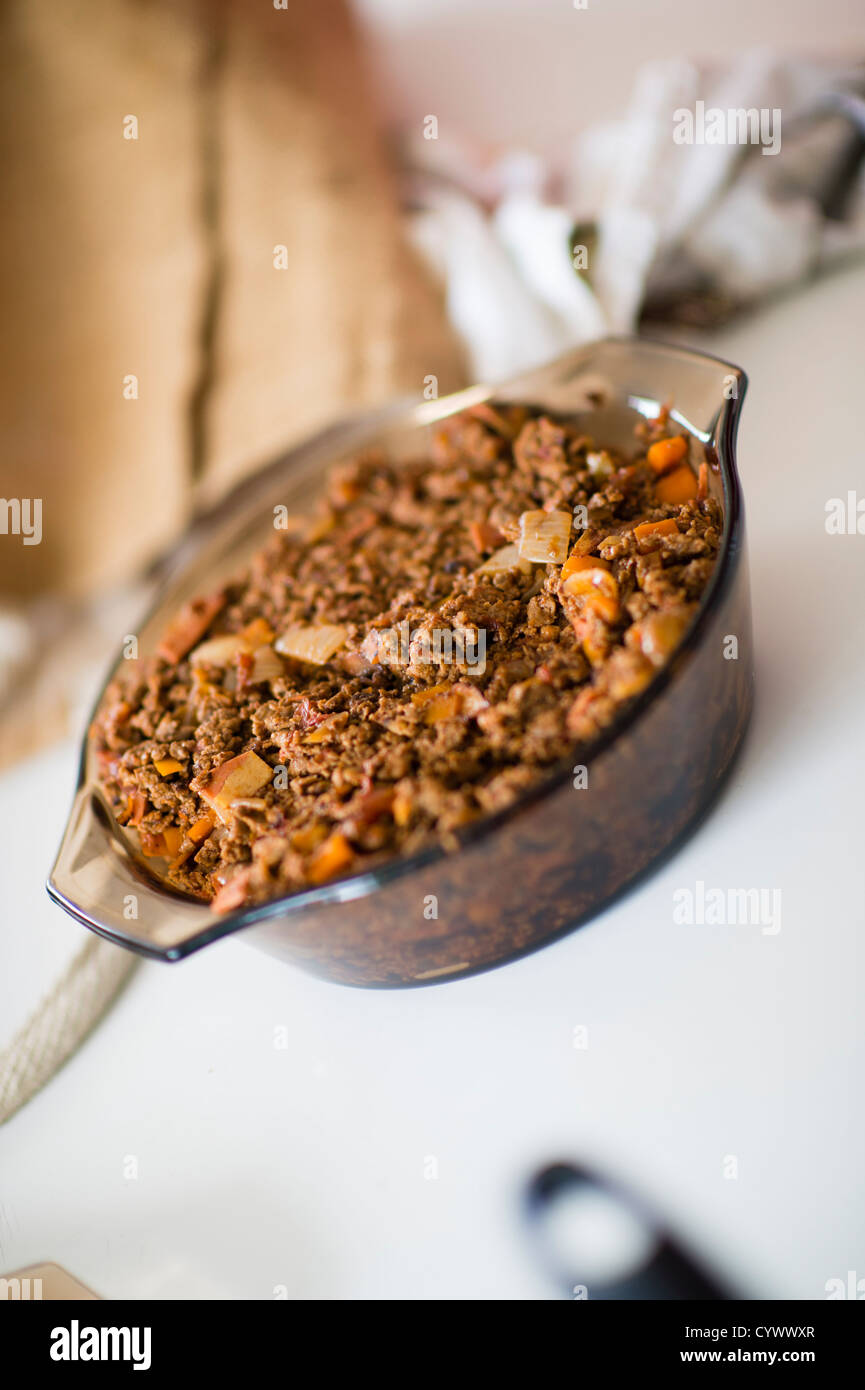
(304, 1167)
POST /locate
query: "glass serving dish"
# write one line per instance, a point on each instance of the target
(547, 863)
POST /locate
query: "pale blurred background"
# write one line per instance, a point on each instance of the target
(533, 72)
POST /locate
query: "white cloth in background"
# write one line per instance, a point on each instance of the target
(667, 218)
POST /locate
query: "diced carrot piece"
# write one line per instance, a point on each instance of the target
(320, 528)
(577, 561)
(201, 829)
(604, 605)
(446, 706)
(402, 808)
(422, 697)
(438, 702)
(666, 453)
(595, 648)
(678, 486)
(650, 534)
(667, 527)
(258, 633)
(484, 536)
(319, 735)
(335, 855)
(201, 688)
(152, 845)
(187, 849)
(165, 766)
(309, 837)
(659, 635)
(374, 804)
(190, 626)
(173, 839)
(590, 580)
(345, 490)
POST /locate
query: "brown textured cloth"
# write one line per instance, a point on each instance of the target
(155, 257)
(352, 320)
(101, 275)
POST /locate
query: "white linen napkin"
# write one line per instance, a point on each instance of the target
(691, 232)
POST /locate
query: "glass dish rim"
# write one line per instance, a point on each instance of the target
(367, 881)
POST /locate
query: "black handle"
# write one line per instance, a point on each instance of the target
(600, 1242)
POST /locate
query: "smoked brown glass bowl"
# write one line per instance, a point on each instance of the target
(553, 859)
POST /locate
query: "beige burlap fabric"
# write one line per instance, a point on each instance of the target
(204, 260)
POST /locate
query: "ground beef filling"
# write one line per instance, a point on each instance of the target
(413, 659)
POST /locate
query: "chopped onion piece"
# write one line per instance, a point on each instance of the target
(544, 537)
(219, 651)
(600, 464)
(315, 643)
(241, 776)
(507, 558)
(266, 665)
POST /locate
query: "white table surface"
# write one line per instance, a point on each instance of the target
(304, 1167)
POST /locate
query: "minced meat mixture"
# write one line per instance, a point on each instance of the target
(412, 659)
